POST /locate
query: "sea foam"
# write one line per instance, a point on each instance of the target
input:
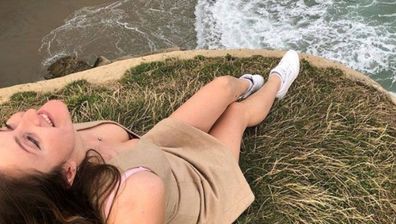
(354, 34)
(126, 27)
(359, 34)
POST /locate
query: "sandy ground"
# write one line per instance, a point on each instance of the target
(116, 69)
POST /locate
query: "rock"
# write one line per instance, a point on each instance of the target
(66, 65)
(101, 61)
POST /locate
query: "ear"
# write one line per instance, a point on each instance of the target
(70, 168)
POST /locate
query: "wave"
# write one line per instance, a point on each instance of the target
(126, 27)
(354, 34)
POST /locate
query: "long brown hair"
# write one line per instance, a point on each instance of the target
(43, 198)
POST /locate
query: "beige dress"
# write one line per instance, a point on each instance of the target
(203, 182)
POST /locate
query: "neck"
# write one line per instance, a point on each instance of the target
(80, 149)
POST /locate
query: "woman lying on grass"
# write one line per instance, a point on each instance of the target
(184, 170)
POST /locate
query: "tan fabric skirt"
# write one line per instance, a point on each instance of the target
(210, 187)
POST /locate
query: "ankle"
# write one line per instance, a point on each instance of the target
(246, 84)
(251, 84)
(274, 79)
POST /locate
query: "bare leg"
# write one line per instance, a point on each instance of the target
(205, 107)
(258, 105)
(232, 123)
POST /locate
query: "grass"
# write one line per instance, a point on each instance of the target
(325, 154)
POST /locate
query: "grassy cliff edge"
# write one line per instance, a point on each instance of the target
(325, 154)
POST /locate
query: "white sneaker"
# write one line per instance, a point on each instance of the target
(287, 70)
(256, 82)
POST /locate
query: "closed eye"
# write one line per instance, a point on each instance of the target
(8, 126)
(34, 141)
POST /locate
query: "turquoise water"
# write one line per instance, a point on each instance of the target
(358, 33)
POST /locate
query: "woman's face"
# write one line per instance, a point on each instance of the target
(37, 140)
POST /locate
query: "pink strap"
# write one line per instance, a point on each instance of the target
(124, 177)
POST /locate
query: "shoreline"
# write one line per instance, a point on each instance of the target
(117, 69)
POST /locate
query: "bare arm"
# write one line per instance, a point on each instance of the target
(141, 200)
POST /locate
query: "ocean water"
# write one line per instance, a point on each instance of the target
(127, 27)
(358, 33)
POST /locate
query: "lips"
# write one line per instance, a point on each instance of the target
(47, 117)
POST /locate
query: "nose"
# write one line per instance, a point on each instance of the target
(30, 118)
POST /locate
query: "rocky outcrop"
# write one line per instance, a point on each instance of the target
(101, 61)
(71, 64)
(66, 65)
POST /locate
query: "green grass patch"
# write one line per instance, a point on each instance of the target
(325, 153)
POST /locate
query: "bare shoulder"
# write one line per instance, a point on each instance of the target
(141, 200)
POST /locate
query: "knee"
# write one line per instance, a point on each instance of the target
(238, 111)
(225, 84)
(235, 108)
